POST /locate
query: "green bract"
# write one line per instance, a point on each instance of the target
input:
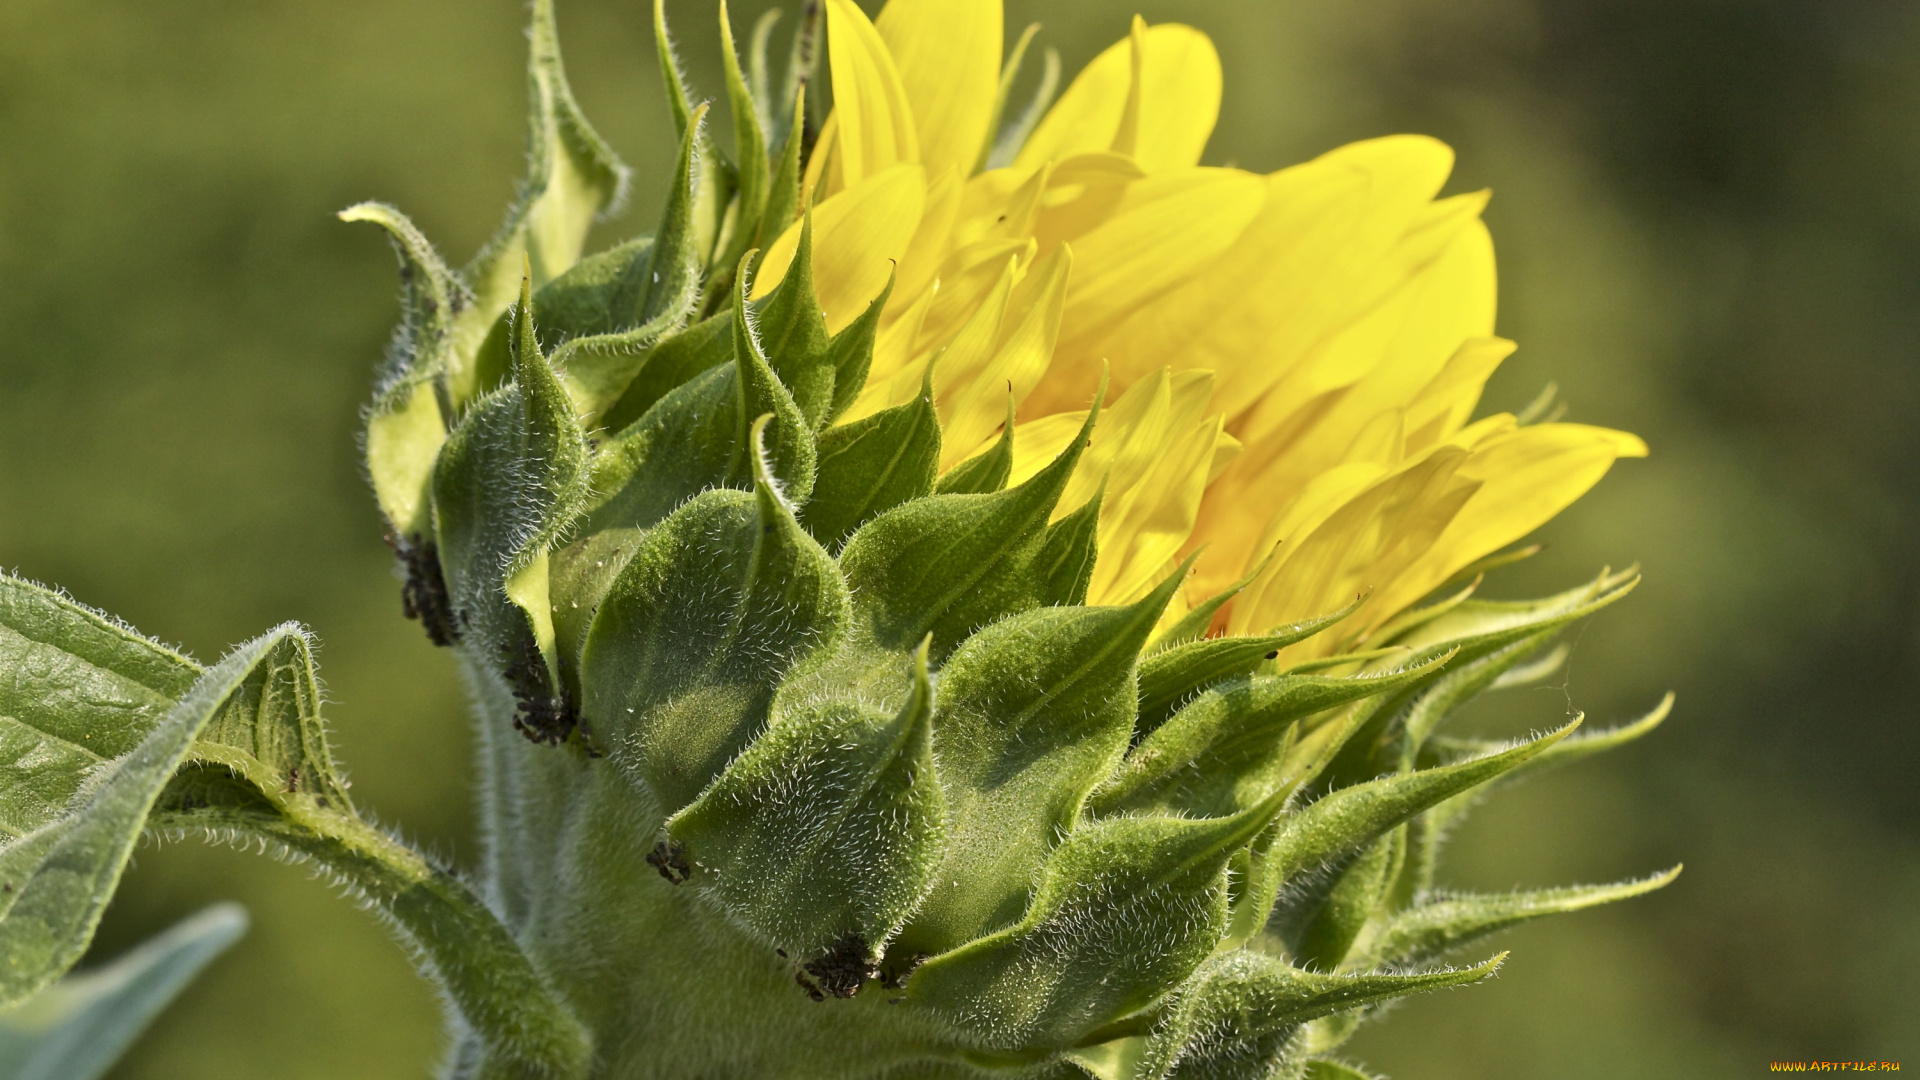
(798, 762)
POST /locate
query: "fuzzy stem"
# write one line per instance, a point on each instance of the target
(524, 1029)
(523, 1024)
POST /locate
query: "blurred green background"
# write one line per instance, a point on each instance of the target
(1708, 232)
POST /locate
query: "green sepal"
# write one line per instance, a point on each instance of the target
(407, 421)
(1440, 924)
(1199, 619)
(510, 479)
(871, 466)
(77, 1028)
(1358, 893)
(1068, 553)
(1033, 713)
(985, 472)
(1425, 832)
(794, 335)
(949, 564)
(824, 833)
(1492, 637)
(783, 190)
(1444, 749)
(1124, 909)
(749, 152)
(599, 320)
(1226, 749)
(699, 436)
(1326, 1069)
(573, 178)
(852, 352)
(793, 455)
(683, 656)
(1334, 827)
(676, 360)
(1236, 1018)
(715, 178)
(1171, 677)
(59, 876)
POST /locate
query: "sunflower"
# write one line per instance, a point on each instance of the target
(1291, 359)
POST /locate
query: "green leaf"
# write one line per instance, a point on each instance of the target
(407, 422)
(1068, 553)
(949, 564)
(1226, 749)
(1033, 712)
(713, 610)
(823, 835)
(987, 471)
(1124, 909)
(573, 178)
(81, 689)
(56, 880)
(1238, 1014)
(1170, 677)
(1443, 923)
(233, 750)
(77, 1028)
(871, 466)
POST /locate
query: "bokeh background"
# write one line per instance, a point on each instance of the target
(1709, 233)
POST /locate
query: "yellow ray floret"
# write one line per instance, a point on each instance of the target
(1294, 357)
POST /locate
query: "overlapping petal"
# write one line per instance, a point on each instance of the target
(1292, 358)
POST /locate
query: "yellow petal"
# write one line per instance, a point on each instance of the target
(948, 55)
(930, 241)
(974, 412)
(1289, 280)
(957, 368)
(1037, 442)
(966, 278)
(1445, 403)
(1154, 489)
(1166, 229)
(1384, 358)
(858, 235)
(1338, 400)
(876, 125)
(1526, 475)
(1178, 102)
(1364, 544)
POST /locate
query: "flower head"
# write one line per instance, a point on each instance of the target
(1291, 360)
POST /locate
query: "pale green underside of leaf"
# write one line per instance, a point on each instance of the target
(78, 1027)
